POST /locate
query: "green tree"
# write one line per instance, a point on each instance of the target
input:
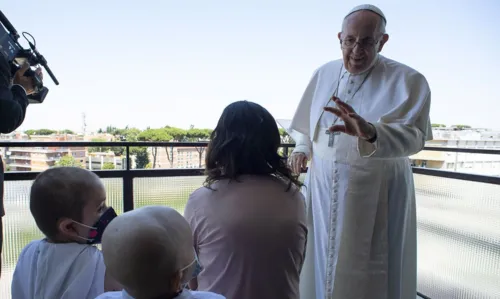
(128, 134)
(67, 131)
(98, 149)
(154, 135)
(117, 150)
(438, 125)
(69, 161)
(197, 135)
(108, 166)
(178, 135)
(111, 130)
(125, 134)
(40, 132)
(462, 127)
(285, 138)
(141, 157)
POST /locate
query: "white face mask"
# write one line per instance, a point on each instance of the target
(196, 271)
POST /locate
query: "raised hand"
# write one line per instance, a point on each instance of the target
(354, 124)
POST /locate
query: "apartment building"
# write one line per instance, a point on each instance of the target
(463, 162)
(178, 157)
(41, 157)
(99, 161)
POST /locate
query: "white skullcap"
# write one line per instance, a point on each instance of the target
(369, 7)
(143, 248)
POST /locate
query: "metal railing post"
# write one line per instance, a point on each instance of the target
(128, 183)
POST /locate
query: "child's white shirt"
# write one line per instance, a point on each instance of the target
(186, 294)
(63, 271)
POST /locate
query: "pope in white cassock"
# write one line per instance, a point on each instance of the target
(358, 121)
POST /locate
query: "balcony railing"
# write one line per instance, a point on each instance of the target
(458, 216)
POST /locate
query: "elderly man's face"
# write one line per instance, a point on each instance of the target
(361, 40)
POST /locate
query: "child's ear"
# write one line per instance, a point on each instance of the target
(66, 227)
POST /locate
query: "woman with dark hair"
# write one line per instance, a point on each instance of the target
(248, 220)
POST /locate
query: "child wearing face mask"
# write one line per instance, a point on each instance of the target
(155, 259)
(69, 207)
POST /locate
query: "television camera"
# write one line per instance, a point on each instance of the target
(16, 56)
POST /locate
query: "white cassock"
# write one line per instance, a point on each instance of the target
(58, 271)
(360, 196)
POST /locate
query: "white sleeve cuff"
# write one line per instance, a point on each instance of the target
(367, 149)
(302, 148)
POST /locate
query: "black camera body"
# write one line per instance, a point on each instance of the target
(16, 56)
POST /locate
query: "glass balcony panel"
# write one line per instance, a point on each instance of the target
(458, 238)
(170, 191)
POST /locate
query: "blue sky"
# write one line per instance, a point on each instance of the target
(156, 63)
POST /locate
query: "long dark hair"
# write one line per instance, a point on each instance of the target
(246, 142)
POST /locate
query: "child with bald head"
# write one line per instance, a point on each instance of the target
(150, 252)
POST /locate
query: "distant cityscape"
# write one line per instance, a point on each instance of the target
(461, 136)
(21, 158)
(18, 158)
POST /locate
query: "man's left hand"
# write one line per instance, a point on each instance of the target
(354, 124)
(26, 82)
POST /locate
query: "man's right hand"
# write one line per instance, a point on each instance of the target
(298, 162)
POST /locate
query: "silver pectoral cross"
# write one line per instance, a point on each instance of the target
(331, 137)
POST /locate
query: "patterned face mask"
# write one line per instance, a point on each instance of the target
(96, 231)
